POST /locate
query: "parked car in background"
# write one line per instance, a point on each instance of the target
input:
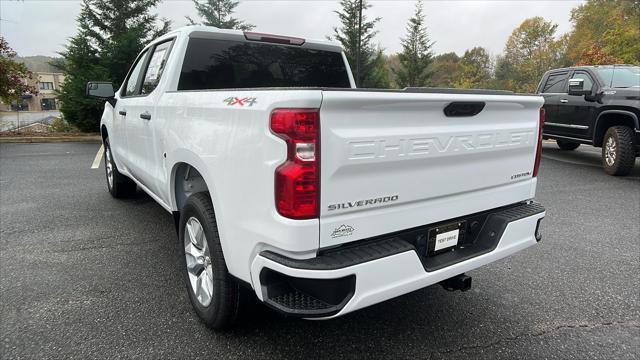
(597, 106)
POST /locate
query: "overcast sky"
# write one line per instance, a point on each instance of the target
(42, 27)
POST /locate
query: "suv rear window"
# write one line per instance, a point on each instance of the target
(224, 64)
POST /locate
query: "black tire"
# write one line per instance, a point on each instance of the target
(567, 145)
(226, 295)
(120, 186)
(619, 162)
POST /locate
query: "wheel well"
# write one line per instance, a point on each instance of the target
(608, 120)
(188, 181)
(104, 133)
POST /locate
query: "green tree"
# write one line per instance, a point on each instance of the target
(12, 75)
(219, 13)
(446, 69)
(530, 51)
(475, 69)
(82, 64)
(110, 35)
(349, 37)
(605, 31)
(380, 75)
(416, 55)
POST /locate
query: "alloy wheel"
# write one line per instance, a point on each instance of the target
(610, 151)
(108, 164)
(200, 271)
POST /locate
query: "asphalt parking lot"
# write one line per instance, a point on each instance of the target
(83, 275)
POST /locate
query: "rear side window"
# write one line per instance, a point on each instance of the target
(223, 64)
(156, 67)
(555, 83)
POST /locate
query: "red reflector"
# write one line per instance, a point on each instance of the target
(536, 165)
(297, 180)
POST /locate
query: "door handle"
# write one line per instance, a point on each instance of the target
(145, 115)
(564, 101)
(122, 112)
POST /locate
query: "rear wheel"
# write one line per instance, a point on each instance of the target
(618, 151)
(567, 145)
(119, 185)
(214, 294)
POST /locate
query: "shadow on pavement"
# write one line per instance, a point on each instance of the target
(583, 156)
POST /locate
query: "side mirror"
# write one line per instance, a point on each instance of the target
(576, 87)
(100, 89)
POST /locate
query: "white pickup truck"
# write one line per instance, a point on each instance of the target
(288, 182)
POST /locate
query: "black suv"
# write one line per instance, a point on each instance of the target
(595, 105)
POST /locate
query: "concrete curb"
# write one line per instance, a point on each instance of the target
(50, 139)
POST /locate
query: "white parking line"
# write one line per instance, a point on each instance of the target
(98, 159)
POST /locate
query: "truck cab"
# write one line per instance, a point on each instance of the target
(597, 106)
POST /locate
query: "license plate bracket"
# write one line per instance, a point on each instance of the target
(446, 237)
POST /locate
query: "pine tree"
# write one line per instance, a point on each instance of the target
(218, 13)
(81, 65)
(416, 55)
(111, 33)
(379, 77)
(348, 36)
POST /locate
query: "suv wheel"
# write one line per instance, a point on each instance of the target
(618, 152)
(119, 185)
(214, 294)
(567, 145)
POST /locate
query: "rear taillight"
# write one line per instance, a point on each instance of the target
(297, 180)
(536, 165)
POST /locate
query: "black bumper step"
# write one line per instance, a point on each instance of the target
(519, 212)
(299, 301)
(306, 298)
(345, 256)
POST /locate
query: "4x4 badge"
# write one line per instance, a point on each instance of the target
(249, 101)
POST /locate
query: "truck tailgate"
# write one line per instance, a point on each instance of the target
(392, 161)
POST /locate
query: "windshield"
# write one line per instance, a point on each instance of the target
(620, 77)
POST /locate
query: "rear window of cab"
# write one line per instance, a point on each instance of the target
(211, 64)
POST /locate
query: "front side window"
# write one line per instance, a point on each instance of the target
(131, 87)
(588, 81)
(156, 67)
(555, 83)
(224, 64)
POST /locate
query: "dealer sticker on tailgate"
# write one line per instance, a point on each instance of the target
(447, 239)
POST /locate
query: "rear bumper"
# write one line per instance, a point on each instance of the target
(339, 282)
